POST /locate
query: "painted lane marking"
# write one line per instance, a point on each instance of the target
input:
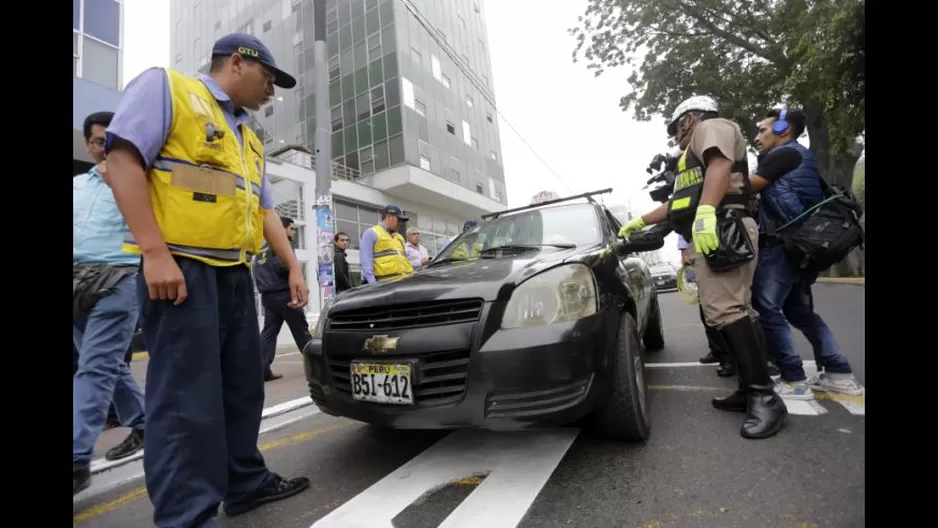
(100, 465)
(855, 405)
(519, 464)
(101, 509)
(132, 470)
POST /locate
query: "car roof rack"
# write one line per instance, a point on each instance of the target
(588, 196)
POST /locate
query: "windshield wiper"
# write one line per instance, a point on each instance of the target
(526, 247)
(445, 261)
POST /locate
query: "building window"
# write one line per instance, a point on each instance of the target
(454, 175)
(334, 71)
(469, 101)
(267, 26)
(488, 117)
(99, 63)
(269, 110)
(435, 66)
(498, 197)
(374, 46)
(450, 128)
(102, 20)
(445, 81)
(480, 189)
(425, 163)
(377, 99)
(420, 107)
(466, 133)
(336, 118)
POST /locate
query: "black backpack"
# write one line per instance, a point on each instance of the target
(828, 231)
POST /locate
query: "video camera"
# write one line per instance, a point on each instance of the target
(665, 165)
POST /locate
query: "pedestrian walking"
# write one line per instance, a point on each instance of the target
(710, 206)
(188, 173)
(271, 276)
(104, 314)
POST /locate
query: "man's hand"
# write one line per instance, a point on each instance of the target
(686, 258)
(164, 278)
(299, 292)
(634, 225)
(705, 230)
(425, 260)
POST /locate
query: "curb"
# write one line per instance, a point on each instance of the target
(858, 281)
(101, 465)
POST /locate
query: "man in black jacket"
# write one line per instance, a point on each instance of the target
(270, 276)
(343, 280)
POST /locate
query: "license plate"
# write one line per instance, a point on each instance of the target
(382, 382)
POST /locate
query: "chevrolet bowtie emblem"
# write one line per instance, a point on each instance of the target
(380, 343)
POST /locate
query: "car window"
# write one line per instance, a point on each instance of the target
(576, 224)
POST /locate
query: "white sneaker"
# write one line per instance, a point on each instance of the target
(793, 390)
(839, 383)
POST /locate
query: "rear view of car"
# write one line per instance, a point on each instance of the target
(664, 277)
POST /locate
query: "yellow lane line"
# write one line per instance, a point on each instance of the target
(130, 496)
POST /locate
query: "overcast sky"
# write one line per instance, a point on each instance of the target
(570, 118)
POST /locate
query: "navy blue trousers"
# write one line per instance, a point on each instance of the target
(204, 396)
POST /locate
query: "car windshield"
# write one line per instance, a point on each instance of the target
(562, 226)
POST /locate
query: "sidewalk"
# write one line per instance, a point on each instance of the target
(292, 386)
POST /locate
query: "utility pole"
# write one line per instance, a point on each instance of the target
(325, 219)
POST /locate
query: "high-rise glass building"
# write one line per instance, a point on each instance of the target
(410, 94)
(97, 38)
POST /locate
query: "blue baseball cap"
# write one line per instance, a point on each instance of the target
(250, 47)
(396, 211)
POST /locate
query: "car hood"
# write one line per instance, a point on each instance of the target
(483, 278)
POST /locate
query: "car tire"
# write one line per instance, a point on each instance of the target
(623, 413)
(654, 329)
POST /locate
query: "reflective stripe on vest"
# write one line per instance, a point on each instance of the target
(212, 215)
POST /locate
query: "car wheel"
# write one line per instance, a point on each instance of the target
(624, 413)
(654, 331)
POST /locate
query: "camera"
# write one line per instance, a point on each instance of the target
(664, 164)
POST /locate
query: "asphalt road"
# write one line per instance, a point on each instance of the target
(694, 471)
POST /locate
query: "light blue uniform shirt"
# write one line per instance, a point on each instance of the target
(366, 255)
(98, 227)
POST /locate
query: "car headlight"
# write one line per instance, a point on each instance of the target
(559, 295)
(317, 329)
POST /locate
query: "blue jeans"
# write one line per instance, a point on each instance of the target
(101, 338)
(781, 293)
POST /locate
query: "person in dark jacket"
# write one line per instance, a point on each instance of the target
(270, 276)
(789, 180)
(343, 279)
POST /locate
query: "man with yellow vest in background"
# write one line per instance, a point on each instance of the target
(381, 252)
(188, 175)
(469, 247)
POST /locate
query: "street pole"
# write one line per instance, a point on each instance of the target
(325, 219)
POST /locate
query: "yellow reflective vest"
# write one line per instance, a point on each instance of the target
(389, 257)
(460, 253)
(205, 186)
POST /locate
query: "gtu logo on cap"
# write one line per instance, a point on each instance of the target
(248, 51)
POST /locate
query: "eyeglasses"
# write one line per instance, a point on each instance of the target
(98, 142)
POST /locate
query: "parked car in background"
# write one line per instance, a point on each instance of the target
(541, 324)
(664, 276)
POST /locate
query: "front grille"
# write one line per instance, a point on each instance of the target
(401, 316)
(441, 379)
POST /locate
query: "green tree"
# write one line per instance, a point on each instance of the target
(751, 55)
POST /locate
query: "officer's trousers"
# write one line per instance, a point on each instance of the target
(204, 396)
(726, 296)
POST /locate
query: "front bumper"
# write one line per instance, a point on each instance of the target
(539, 376)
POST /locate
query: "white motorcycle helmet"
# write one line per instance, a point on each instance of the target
(697, 103)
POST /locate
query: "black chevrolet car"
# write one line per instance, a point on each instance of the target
(537, 317)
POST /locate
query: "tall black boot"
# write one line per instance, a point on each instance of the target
(760, 336)
(766, 411)
(720, 350)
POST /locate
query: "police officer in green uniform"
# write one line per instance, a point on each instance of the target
(712, 189)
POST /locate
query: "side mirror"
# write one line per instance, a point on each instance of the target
(636, 244)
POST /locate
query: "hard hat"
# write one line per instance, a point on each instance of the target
(697, 103)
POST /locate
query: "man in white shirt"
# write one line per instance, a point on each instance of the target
(416, 253)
